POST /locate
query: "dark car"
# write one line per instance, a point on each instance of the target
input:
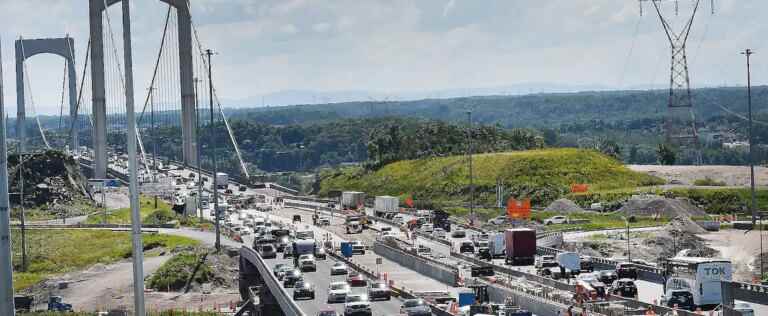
(484, 254)
(268, 251)
(379, 290)
(297, 218)
(586, 265)
(328, 313)
(626, 271)
(624, 288)
(458, 234)
(682, 298)
(282, 242)
(292, 277)
(320, 253)
(282, 270)
(466, 247)
(354, 278)
(607, 276)
(303, 290)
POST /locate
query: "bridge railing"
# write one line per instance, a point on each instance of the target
(285, 300)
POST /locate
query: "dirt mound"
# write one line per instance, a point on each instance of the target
(564, 206)
(653, 205)
(685, 224)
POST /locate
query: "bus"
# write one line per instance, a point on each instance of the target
(693, 282)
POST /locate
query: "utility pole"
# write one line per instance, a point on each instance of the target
(753, 205)
(471, 174)
(138, 248)
(6, 268)
(199, 149)
(210, 53)
(23, 214)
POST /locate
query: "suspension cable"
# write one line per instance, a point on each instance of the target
(157, 63)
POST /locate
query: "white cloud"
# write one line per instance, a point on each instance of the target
(448, 7)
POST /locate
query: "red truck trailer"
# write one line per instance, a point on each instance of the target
(520, 246)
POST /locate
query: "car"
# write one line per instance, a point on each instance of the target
(339, 268)
(415, 307)
(439, 233)
(466, 247)
(545, 262)
(357, 304)
(624, 288)
(324, 221)
(291, 277)
(303, 290)
(356, 279)
(297, 218)
(320, 253)
(459, 234)
(328, 313)
(307, 263)
(427, 228)
(498, 220)
(607, 276)
(379, 290)
(358, 248)
(268, 251)
(594, 282)
(484, 253)
(282, 270)
(626, 271)
(559, 219)
(287, 252)
(682, 298)
(587, 265)
(337, 292)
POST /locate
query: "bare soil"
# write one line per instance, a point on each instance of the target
(686, 175)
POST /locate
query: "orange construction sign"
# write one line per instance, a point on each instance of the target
(579, 188)
(409, 201)
(519, 210)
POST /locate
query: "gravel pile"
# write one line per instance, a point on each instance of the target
(564, 206)
(653, 205)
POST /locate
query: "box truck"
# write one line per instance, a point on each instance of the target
(222, 180)
(385, 204)
(496, 245)
(352, 200)
(520, 246)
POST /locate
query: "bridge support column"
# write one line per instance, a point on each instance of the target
(98, 101)
(186, 76)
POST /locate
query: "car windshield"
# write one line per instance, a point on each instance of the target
(378, 286)
(356, 298)
(681, 297)
(339, 286)
(413, 303)
(627, 283)
(339, 265)
(327, 313)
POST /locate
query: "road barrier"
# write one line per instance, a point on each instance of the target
(285, 300)
(438, 271)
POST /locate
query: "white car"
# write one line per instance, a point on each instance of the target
(498, 220)
(559, 219)
(415, 307)
(337, 292)
(339, 268)
(356, 304)
(439, 233)
(307, 263)
(427, 228)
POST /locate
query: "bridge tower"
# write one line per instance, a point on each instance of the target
(187, 87)
(26, 48)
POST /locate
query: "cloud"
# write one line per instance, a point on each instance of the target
(448, 7)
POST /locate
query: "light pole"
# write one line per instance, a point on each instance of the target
(199, 149)
(753, 207)
(471, 175)
(210, 53)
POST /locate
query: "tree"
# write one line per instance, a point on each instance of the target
(666, 154)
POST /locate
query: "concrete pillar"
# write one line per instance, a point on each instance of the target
(72, 77)
(20, 98)
(98, 100)
(186, 76)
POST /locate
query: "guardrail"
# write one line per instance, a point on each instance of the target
(285, 300)
(644, 272)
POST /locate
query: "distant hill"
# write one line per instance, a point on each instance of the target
(533, 110)
(543, 175)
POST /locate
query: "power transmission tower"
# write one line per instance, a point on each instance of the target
(680, 121)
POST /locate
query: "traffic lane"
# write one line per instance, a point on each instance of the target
(322, 279)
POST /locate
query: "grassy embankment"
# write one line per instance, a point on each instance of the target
(53, 252)
(123, 215)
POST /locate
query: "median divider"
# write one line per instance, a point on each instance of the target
(285, 300)
(438, 271)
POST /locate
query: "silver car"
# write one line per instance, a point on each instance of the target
(416, 307)
(337, 292)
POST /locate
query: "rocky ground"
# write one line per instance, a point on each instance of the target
(104, 287)
(686, 175)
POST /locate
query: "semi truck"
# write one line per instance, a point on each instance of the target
(352, 200)
(520, 246)
(383, 205)
(496, 245)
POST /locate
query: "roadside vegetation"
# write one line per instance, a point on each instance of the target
(52, 252)
(149, 213)
(176, 272)
(541, 175)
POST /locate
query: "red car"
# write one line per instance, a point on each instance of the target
(356, 279)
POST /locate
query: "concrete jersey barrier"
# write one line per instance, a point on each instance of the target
(418, 264)
(285, 300)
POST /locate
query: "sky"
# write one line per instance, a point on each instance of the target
(394, 48)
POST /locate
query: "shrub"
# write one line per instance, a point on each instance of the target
(708, 182)
(173, 275)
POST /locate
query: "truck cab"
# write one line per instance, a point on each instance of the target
(354, 224)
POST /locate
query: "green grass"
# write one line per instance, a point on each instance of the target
(174, 274)
(543, 175)
(123, 215)
(708, 182)
(54, 252)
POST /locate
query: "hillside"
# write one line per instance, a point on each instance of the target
(543, 175)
